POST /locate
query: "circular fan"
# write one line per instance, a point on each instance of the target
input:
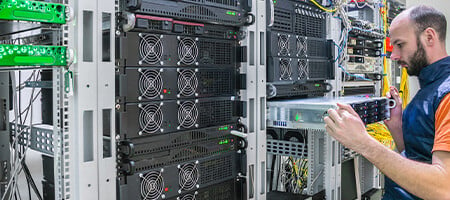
(150, 49)
(150, 118)
(188, 197)
(302, 69)
(150, 83)
(187, 82)
(187, 114)
(188, 176)
(285, 69)
(302, 47)
(152, 185)
(187, 51)
(283, 45)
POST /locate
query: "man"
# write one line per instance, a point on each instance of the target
(422, 132)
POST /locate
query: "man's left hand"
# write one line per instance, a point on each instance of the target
(345, 125)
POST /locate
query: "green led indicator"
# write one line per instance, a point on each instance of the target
(297, 117)
(317, 85)
(170, 59)
(169, 92)
(274, 1)
(231, 13)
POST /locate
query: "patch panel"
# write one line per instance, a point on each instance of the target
(35, 11)
(31, 55)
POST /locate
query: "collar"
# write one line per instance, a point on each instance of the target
(434, 71)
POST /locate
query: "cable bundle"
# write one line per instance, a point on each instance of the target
(295, 174)
(380, 132)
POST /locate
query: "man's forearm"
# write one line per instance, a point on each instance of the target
(428, 181)
(397, 135)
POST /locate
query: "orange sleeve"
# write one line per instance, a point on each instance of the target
(442, 126)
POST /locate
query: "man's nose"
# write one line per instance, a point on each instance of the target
(395, 56)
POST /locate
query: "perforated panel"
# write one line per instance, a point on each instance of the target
(214, 111)
(216, 169)
(283, 20)
(311, 25)
(319, 69)
(212, 52)
(287, 148)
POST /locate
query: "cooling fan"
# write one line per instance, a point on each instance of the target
(302, 46)
(152, 185)
(188, 176)
(150, 118)
(187, 82)
(187, 51)
(188, 196)
(150, 83)
(285, 69)
(150, 49)
(283, 44)
(302, 69)
(187, 114)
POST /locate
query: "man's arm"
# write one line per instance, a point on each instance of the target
(427, 181)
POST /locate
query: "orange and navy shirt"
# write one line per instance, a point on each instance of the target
(442, 126)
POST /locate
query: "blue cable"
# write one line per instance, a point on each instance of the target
(331, 3)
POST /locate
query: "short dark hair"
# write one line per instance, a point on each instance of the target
(426, 16)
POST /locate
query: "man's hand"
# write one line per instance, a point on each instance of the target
(395, 123)
(346, 126)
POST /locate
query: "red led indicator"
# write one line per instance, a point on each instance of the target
(166, 189)
(231, 140)
(164, 91)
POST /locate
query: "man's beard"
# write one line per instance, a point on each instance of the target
(417, 62)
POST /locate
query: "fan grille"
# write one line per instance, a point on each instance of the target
(187, 82)
(187, 51)
(283, 44)
(150, 83)
(302, 69)
(187, 114)
(302, 46)
(150, 118)
(188, 197)
(188, 176)
(152, 185)
(150, 49)
(285, 69)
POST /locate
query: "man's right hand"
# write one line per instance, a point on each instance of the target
(394, 124)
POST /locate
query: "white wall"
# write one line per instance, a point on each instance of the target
(441, 5)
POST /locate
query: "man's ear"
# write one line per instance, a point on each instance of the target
(430, 36)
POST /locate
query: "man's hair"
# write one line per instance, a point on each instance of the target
(425, 16)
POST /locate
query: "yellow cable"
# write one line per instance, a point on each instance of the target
(380, 132)
(321, 7)
(386, 83)
(404, 88)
